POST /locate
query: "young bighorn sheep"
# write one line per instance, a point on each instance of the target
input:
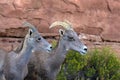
(46, 66)
(15, 67)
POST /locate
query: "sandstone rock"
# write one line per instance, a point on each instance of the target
(22, 3)
(16, 14)
(6, 23)
(16, 32)
(6, 1)
(112, 30)
(92, 38)
(114, 6)
(5, 9)
(99, 18)
(89, 5)
(43, 26)
(49, 35)
(11, 27)
(9, 43)
(27, 4)
(92, 30)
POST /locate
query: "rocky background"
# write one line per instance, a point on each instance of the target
(96, 21)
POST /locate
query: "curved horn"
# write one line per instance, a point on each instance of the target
(64, 24)
(27, 24)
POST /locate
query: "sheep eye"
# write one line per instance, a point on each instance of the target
(38, 39)
(71, 38)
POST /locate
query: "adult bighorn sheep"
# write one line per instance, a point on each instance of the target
(15, 66)
(44, 66)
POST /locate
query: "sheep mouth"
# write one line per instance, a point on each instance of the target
(48, 51)
(83, 52)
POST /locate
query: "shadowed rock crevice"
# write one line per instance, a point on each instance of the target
(108, 6)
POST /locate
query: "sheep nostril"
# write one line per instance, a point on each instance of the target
(85, 49)
(51, 47)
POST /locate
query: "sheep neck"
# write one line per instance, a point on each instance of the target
(24, 55)
(58, 56)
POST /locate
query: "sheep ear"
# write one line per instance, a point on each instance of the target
(30, 32)
(61, 32)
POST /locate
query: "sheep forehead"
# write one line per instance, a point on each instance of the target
(71, 33)
(36, 35)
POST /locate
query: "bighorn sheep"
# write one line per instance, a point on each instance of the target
(15, 66)
(2, 60)
(44, 66)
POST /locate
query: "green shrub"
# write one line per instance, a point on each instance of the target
(98, 64)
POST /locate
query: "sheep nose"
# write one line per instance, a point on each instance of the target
(85, 48)
(50, 47)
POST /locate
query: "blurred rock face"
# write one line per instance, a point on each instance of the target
(94, 17)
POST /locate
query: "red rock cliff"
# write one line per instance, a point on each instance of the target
(95, 17)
